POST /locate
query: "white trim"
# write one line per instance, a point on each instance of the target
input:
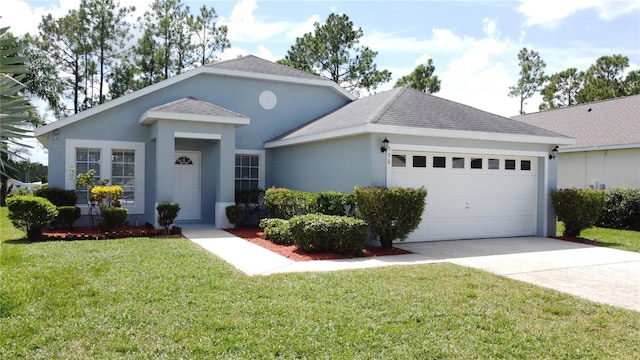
(149, 117)
(261, 163)
(190, 135)
(415, 131)
(462, 150)
(599, 148)
(181, 77)
(105, 166)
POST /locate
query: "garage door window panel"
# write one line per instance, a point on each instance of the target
(476, 163)
(458, 162)
(525, 165)
(439, 162)
(399, 161)
(510, 164)
(419, 161)
(494, 164)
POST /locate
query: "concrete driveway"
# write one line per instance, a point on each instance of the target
(595, 273)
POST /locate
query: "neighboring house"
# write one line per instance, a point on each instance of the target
(247, 123)
(607, 149)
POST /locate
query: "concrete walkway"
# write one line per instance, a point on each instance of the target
(595, 273)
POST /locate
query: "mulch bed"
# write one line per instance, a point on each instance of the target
(575, 239)
(254, 235)
(95, 233)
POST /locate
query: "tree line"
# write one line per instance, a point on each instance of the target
(603, 80)
(90, 55)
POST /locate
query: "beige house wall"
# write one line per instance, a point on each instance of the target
(599, 169)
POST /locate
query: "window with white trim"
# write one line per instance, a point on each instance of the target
(247, 172)
(122, 162)
(123, 173)
(87, 159)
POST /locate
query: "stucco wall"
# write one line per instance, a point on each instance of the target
(606, 168)
(335, 165)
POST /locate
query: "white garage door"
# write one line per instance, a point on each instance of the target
(470, 196)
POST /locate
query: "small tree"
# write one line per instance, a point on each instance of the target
(167, 214)
(31, 214)
(391, 213)
(578, 209)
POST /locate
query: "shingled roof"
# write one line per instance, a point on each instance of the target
(254, 64)
(190, 108)
(191, 105)
(614, 122)
(410, 108)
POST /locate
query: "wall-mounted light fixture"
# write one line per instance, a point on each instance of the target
(56, 133)
(385, 145)
(554, 153)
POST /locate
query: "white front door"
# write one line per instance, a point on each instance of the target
(187, 189)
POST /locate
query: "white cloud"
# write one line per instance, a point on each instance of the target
(549, 13)
(245, 27)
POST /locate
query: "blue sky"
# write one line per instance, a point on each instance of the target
(474, 44)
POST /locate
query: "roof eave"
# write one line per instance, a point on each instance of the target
(149, 117)
(184, 76)
(412, 131)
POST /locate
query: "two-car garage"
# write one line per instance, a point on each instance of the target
(470, 195)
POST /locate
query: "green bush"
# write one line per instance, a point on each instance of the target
(67, 215)
(328, 233)
(285, 203)
(578, 209)
(235, 215)
(621, 209)
(248, 203)
(391, 213)
(277, 231)
(31, 214)
(335, 203)
(113, 218)
(167, 214)
(57, 196)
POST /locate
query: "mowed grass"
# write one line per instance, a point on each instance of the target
(166, 298)
(617, 239)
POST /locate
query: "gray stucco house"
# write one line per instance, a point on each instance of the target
(247, 122)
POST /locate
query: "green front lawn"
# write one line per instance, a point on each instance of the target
(142, 298)
(617, 239)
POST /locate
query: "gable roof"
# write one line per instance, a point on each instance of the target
(613, 123)
(192, 109)
(244, 67)
(254, 64)
(409, 111)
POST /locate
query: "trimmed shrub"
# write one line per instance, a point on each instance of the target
(57, 196)
(113, 218)
(248, 203)
(285, 203)
(31, 214)
(391, 213)
(67, 215)
(277, 231)
(335, 203)
(578, 209)
(167, 214)
(328, 233)
(621, 209)
(234, 215)
(108, 196)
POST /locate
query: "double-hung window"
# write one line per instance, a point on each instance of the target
(249, 169)
(120, 162)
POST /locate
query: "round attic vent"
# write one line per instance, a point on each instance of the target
(268, 100)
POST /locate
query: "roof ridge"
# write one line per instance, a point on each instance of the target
(579, 105)
(375, 117)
